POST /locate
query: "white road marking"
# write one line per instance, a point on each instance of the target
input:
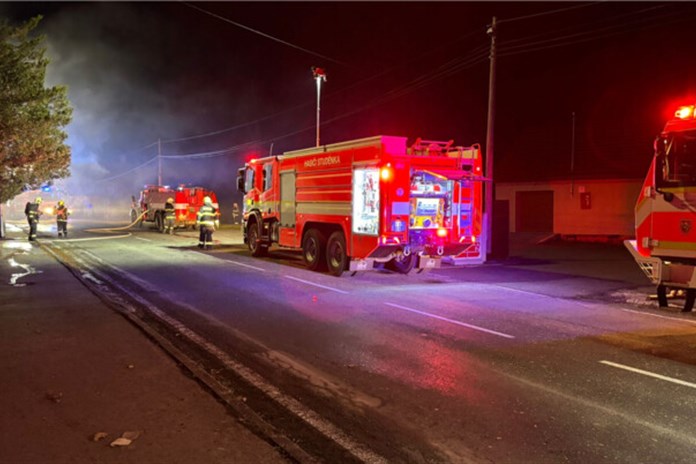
(676, 319)
(86, 239)
(143, 239)
(328, 429)
(649, 374)
(15, 277)
(317, 285)
(89, 276)
(244, 265)
(452, 321)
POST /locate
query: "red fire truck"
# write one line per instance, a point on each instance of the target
(187, 202)
(665, 244)
(356, 205)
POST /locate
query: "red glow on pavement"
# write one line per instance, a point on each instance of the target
(424, 363)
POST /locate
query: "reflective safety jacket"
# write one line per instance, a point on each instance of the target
(169, 212)
(62, 213)
(32, 211)
(206, 216)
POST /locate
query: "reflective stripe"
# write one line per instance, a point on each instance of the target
(206, 216)
(338, 208)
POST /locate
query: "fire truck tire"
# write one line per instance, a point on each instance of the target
(402, 264)
(253, 235)
(689, 300)
(662, 296)
(313, 249)
(336, 257)
(159, 222)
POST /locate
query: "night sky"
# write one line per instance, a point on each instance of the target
(139, 72)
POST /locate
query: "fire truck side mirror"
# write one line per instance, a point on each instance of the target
(659, 146)
(240, 184)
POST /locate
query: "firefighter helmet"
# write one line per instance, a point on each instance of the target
(38, 199)
(207, 200)
(61, 202)
(170, 200)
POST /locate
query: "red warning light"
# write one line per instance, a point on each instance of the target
(386, 173)
(685, 112)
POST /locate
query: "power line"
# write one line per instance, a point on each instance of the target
(584, 27)
(476, 56)
(329, 95)
(127, 172)
(447, 69)
(263, 34)
(599, 33)
(545, 13)
(238, 126)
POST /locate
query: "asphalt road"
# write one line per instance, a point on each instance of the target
(544, 358)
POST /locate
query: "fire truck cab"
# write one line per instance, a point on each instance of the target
(356, 205)
(665, 244)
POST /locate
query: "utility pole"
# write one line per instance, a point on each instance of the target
(319, 76)
(572, 156)
(489, 198)
(159, 161)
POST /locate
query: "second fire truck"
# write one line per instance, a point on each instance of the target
(187, 202)
(356, 205)
(665, 213)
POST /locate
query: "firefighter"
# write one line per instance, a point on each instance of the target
(206, 221)
(169, 216)
(31, 210)
(235, 213)
(62, 214)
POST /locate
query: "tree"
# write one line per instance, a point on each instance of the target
(32, 117)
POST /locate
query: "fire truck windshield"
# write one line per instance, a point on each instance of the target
(676, 159)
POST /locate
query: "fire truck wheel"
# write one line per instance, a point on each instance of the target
(662, 296)
(402, 264)
(253, 235)
(336, 257)
(313, 247)
(689, 301)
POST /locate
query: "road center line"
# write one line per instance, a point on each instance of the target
(463, 324)
(675, 319)
(245, 265)
(317, 285)
(143, 239)
(649, 374)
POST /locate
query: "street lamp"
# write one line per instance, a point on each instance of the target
(319, 76)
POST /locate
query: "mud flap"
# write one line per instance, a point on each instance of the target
(428, 262)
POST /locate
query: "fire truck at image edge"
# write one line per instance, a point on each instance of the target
(665, 244)
(361, 204)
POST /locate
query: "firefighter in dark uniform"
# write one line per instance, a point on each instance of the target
(169, 216)
(62, 214)
(31, 210)
(206, 221)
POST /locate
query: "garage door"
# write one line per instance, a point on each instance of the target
(534, 211)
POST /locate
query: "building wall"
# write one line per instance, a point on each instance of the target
(585, 207)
